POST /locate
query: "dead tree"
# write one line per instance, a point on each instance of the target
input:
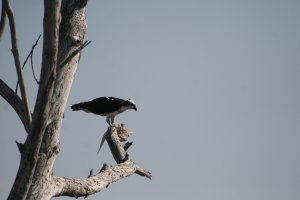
(64, 28)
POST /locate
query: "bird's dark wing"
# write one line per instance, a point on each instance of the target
(100, 106)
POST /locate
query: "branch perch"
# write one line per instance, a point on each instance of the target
(93, 184)
(107, 175)
(118, 149)
(115, 145)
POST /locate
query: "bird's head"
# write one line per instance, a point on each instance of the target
(131, 104)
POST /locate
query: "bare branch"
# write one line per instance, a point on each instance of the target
(84, 187)
(118, 150)
(73, 54)
(115, 145)
(3, 19)
(142, 172)
(20, 146)
(122, 134)
(15, 102)
(108, 174)
(16, 55)
(30, 56)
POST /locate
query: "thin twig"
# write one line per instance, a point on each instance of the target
(30, 55)
(32, 69)
(143, 172)
(31, 52)
(15, 51)
(86, 43)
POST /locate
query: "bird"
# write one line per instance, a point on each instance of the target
(106, 106)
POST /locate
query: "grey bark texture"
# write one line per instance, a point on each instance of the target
(64, 28)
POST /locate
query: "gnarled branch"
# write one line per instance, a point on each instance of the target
(114, 137)
(93, 184)
(107, 175)
(115, 145)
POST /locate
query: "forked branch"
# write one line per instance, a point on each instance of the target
(31, 62)
(107, 175)
(118, 149)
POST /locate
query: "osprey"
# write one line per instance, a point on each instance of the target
(106, 106)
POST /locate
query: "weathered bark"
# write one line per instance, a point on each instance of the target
(41, 145)
(64, 29)
(94, 183)
(72, 25)
(106, 176)
(114, 136)
(116, 147)
(41, 120)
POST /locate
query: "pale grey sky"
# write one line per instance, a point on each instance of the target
(217, 87)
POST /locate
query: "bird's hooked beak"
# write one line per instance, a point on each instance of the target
(132, 104)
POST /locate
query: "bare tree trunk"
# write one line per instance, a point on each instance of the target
(42, 143)
(63, 39)
(71, 36)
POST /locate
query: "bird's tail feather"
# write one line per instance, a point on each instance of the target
(78, 106)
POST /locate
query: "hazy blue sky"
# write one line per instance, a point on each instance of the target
(217, 87)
